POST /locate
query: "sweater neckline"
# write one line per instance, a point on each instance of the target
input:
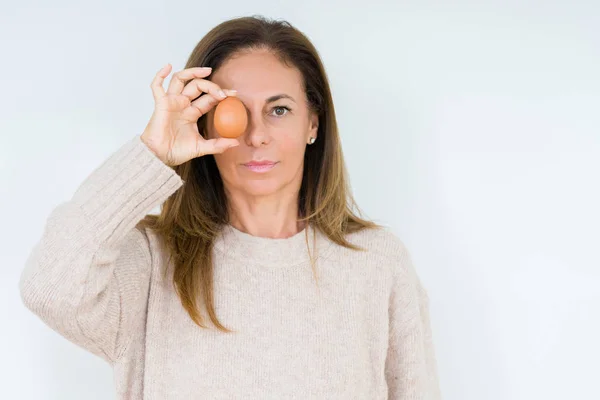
(271, 252)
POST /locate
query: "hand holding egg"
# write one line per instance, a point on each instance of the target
(172, 132)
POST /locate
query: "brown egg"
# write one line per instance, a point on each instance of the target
(230, 117)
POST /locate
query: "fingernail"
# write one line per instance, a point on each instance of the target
(207, 67)
(222, 94)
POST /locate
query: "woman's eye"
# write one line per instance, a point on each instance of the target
(280, 111)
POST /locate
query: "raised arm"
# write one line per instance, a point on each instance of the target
(88, 275)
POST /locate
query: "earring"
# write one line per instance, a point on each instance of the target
(311, 140)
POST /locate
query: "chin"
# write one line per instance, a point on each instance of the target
(261, 187)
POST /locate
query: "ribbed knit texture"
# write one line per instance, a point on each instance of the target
(96, 278)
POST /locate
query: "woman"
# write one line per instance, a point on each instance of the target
(256, 235)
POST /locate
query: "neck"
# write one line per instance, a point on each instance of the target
(268, 217)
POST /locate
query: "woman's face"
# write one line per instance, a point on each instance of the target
(280, 125)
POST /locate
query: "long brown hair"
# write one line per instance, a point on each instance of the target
(192, 217)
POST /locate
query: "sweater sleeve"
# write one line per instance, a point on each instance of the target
(88, 276)
(410, 369)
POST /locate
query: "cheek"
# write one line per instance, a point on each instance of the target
(226, 163)
(291, 145)
(291, 134)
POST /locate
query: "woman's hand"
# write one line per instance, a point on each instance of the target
(172, 132)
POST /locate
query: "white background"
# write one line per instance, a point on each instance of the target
(472, 129)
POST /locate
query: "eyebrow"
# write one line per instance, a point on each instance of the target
(280, 96)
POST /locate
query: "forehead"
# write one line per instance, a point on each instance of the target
(257, 75)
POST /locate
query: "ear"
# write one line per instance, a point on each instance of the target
(313, 127)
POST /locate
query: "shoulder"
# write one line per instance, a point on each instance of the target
(383, 247)
(380, 242)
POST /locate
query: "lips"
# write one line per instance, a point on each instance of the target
(260, 166)
(259, 163)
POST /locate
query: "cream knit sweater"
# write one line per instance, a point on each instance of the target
(96, 278)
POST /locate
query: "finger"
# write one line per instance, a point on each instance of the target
(214, 146)
(198, 108)
(179, 78)
(157, 83)
(191, 114)
(202, 105)
(205, 102)
(196, 87)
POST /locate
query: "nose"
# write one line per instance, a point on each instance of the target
(257, 133)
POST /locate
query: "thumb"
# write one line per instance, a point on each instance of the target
(216, 146)
(223, 144)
